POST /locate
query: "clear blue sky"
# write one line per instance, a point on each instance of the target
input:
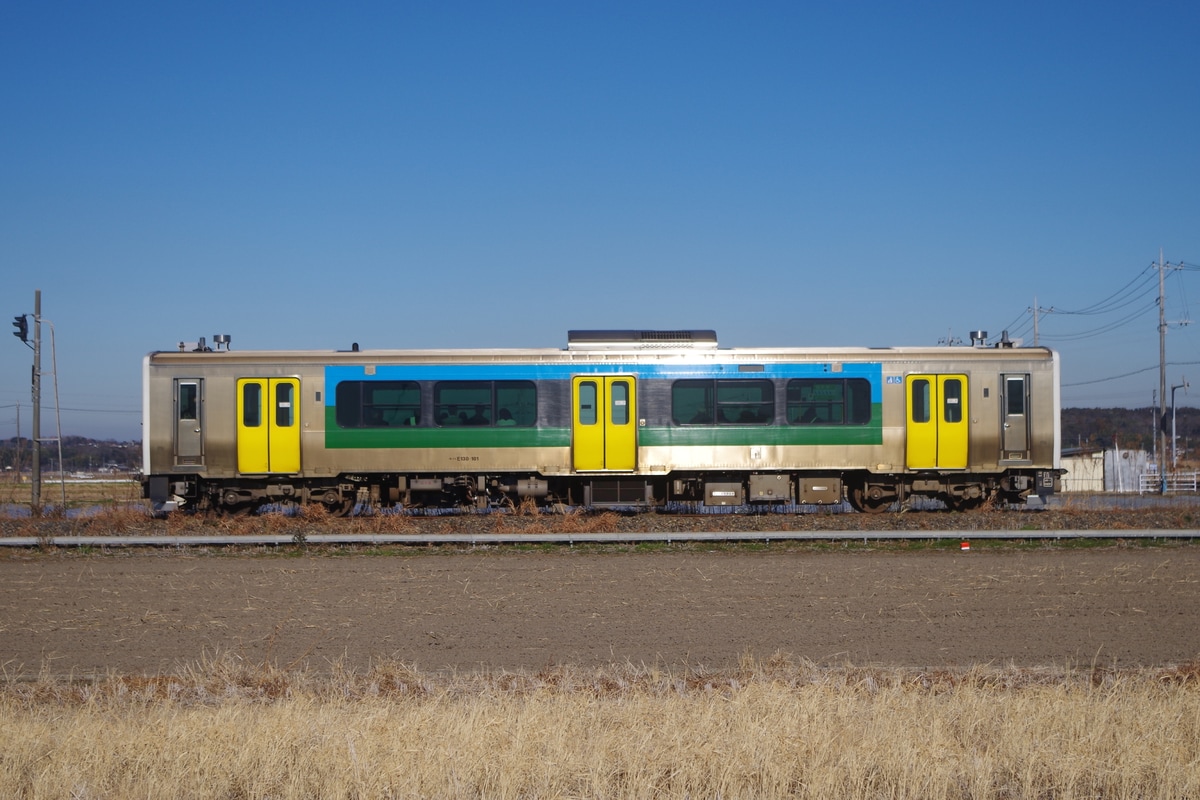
(303, 175)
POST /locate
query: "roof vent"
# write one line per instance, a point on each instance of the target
(640, 340)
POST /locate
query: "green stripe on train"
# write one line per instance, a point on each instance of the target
(670, 436)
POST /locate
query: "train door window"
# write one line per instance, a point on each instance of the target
(587, 403)
(920, 400)
(284, 405)
(189, 401)
(619, 394)
(952, 400)
(1014, 395)
(251, 405)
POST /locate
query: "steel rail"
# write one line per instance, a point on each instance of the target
(577, 538)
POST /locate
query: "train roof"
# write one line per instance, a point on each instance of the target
(592, 346)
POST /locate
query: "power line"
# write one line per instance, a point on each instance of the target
(1105, 305)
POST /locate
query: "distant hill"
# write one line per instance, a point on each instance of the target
(1131, 428)
(79, 455)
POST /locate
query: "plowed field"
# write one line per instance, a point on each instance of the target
(150, 611)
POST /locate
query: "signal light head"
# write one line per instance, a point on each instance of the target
(22, 327)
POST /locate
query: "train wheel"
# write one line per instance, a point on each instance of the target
(344, 507)
(336, 503)
(869, 502)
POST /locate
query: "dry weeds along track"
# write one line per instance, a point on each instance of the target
(1023, 524)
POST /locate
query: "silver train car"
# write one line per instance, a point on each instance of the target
(617, 419)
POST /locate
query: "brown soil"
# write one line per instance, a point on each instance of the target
(151, 611)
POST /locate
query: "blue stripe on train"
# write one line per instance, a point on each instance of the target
(533, 372)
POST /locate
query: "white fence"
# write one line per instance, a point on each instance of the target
(1121, 471)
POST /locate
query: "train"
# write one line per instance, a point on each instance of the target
(618, 419)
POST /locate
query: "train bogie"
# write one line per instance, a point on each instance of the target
(617, 419)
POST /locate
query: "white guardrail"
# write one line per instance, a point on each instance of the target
(1176, 483)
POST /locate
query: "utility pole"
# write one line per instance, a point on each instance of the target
(1038, 310)
(1035, 321)
(35, 501)
(1162, 378)
(1174, 439)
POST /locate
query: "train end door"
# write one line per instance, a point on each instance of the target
(1014, 438)
(268, 427)
(189, 422)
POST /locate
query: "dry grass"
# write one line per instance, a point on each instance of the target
(115, 492)
(766, 729)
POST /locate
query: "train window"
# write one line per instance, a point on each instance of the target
(693, 402)
(952, 400)
(460, 403)
(723, 402)
(858, 401)
(378, 404)
(284, 412)
(251, 404)
(745, 402)
(829, 401)
(516, 404)
(485, 403)
(920, 400)
(587, 403)
(348, 404)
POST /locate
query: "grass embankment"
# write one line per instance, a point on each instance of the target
(765, 729)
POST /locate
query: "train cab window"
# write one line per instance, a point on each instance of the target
(251, 404)
(829, 401)
(952, 400)
(723, 402)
